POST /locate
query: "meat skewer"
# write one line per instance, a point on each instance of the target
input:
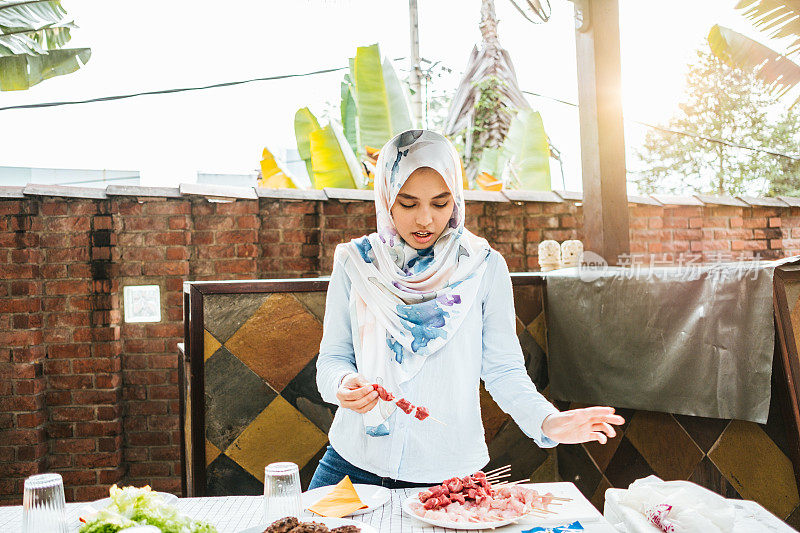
(472, 498)
(406, 406)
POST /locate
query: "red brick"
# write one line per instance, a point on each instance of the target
(67, 287)
(96, 397)
(79, 445)
(150, 438)
(71, 413)
(166, 268)
(98, 428)
(148, 470)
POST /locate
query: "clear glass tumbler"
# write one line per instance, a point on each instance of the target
(43, 504)
(281, 491)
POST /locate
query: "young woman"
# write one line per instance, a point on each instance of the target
(424, 308)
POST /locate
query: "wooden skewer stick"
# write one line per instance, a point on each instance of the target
(436, 420)
(497, 469)
(512, 483)
(498, 476)
(496, 479)
(534, 511)
(562, 499)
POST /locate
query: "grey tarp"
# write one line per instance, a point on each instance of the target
(693, 341)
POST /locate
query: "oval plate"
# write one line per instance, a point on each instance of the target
(455, 525)
(330, 522)
(372, 495)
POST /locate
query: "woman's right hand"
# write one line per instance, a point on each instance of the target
(356, 393)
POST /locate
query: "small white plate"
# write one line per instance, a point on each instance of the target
(373, 496)
(455, 525)
(169, 499)
(330, 522)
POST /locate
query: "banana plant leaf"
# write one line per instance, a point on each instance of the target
(333, 161)
(529, 164)
(348, 111)
(493, 161)
(304, 123)
(34, 42)
(30, 13)
(780, 19)
(32, 27)
(380, 98)
(22, 71)
(272, 175)
(739, 51)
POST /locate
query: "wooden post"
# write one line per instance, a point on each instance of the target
(605, 198)
(415, 82)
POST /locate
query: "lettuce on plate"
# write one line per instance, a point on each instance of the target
(132, 506)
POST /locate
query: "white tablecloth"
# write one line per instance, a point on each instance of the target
(231, 514)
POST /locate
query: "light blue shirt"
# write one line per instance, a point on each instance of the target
(485, 347)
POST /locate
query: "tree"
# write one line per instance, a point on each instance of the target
(32, 38)
(732, 105)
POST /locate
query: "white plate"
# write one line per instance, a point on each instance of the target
(169, 499)
(330, 522)
(455, 525)
(373, 496)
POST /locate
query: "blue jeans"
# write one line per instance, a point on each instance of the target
(333, 467)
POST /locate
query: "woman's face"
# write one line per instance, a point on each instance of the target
(423, 208)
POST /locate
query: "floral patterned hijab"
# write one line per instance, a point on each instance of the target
(407, 303)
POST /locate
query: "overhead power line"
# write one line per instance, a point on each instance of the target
(329, 70)
(170, 91)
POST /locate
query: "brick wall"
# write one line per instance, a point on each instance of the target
(96, 399)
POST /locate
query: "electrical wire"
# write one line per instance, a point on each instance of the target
(329, 70)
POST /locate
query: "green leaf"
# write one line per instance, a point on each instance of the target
(22, 71)
(739, 51)
(493, 161)
(304, 123)
(530, 153)
(332, 160)
(34, 14)
(348, 110)
(399, 109)
(780, 19)
(380, 99)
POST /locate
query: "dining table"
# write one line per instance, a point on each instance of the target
(233, 514)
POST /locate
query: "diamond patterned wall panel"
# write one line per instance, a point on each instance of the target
(261, 398)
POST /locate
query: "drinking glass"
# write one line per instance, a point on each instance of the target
(43, 504)
(281, 491)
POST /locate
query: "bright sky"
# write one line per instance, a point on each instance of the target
(182, 43)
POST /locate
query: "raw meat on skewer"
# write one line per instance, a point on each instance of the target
(407, 407)
(383, 394)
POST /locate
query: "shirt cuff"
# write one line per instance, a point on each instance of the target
(532, 424)
(333, 386)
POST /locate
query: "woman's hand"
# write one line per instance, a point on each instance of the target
(582, 425)
(356, 393)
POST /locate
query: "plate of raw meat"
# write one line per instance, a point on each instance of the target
(472, 503)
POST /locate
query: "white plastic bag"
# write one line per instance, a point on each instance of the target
(679, 506)
(651, 505)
